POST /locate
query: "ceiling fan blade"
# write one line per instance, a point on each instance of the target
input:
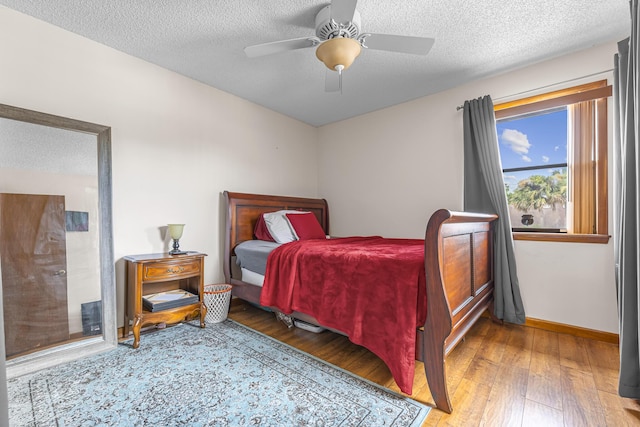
(280, 46)
(331, 81)
(402, 44)
(342, 11)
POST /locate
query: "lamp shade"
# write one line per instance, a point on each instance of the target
(175, 231)
(338, 51)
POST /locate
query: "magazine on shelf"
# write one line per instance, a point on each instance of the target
(168, 299)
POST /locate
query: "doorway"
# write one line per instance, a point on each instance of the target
(34, 271)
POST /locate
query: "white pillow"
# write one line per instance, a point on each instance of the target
(279, 226)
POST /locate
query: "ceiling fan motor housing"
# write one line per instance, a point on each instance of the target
(325, 29)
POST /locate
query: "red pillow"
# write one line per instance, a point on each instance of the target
(261, 231)
(306, 226)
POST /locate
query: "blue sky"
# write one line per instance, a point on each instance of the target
(533, 140)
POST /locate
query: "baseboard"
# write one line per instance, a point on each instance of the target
(573, 330)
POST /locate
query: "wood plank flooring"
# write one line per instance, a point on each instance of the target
(501, 375)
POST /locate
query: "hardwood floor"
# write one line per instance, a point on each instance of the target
(501, 375)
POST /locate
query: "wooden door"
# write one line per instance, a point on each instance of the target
(34, 263)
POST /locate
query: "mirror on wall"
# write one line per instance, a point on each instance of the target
(56, 256)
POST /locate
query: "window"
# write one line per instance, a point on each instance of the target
(553, 149)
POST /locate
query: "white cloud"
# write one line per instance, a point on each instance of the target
(526, 158)
(557, 147)
(545, 159)
(517, 141)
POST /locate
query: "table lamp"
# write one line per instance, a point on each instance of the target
(175, 231)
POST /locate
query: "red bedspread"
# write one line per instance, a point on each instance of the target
(370, 288)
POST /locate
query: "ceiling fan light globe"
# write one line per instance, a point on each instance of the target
(338, 51)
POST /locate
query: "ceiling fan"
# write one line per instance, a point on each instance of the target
(339, 41)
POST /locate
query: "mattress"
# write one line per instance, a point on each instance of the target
(252, 255)
(252, 277)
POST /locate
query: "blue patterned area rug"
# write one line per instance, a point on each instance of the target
(223, 375)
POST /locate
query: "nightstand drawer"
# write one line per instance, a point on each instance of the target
(170, 270)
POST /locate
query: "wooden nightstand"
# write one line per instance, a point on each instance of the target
(152, 273)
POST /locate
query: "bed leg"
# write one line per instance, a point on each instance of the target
(287, 320)
(494, 318)
(434, 369)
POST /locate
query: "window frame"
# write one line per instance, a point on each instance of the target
(598, 92)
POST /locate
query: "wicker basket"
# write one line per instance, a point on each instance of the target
(217, 298)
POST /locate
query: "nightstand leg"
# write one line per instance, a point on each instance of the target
(203, 314)
(137, 322)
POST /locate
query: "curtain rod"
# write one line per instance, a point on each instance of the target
(460, 107)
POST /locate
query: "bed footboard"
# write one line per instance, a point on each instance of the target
(459, 279)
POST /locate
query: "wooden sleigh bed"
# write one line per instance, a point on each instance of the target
(458, 267)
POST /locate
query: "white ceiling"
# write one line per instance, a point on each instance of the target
(204, 40)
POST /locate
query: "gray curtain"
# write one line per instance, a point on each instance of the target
(626, 162)
(484, 192)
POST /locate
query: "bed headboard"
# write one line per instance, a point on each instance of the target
(243, 210)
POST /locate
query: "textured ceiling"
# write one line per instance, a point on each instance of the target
(204, 40)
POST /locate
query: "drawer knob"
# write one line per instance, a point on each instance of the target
(175, 269)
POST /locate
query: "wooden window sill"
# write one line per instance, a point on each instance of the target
(561, 237)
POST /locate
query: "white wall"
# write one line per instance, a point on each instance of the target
(176, 144)
(402, 163)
